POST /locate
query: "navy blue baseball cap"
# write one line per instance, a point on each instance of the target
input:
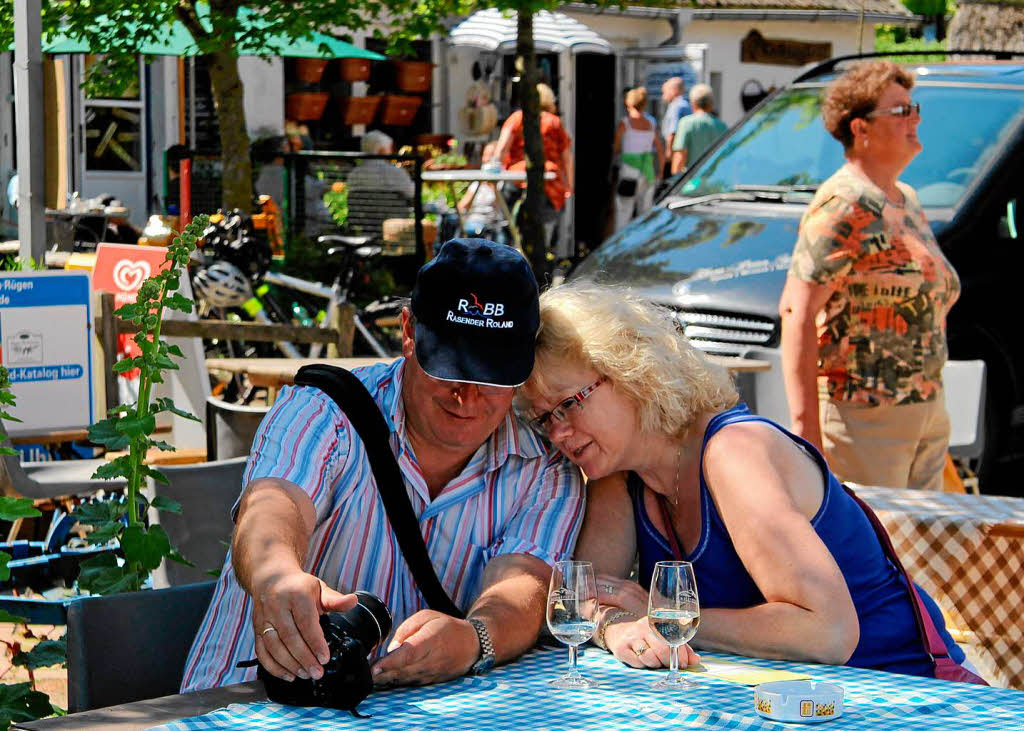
(477, 314)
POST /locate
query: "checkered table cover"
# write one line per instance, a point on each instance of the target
(945, 542)
(517, 696)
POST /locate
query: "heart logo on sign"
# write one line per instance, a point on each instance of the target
(129, 275)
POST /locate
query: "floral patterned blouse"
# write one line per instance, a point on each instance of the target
(882, 333)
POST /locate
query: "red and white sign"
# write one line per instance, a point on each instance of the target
(122, 268)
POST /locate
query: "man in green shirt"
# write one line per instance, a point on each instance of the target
(698, 131)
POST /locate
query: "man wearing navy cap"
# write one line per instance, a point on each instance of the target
(496, 506)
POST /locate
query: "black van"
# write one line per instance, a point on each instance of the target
(717, 246)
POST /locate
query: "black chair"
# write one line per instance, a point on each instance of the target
(131, 647)
(202, 531)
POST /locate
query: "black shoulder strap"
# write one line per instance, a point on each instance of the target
(363, 413)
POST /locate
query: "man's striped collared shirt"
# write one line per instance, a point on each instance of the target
(515, 495)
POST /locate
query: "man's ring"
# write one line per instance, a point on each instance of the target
(268, 629)
(608, 588)
(641, 650)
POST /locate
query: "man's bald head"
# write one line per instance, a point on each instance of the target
(672, 88)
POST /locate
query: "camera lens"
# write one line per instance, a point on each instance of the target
(369, 621)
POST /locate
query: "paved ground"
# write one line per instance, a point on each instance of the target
(52, 681)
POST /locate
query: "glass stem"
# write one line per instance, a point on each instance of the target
(674, 660)
(573, 671)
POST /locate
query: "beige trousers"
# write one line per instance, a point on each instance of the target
(886, 446)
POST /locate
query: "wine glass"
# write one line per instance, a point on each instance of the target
(673, 611)
(572, 614)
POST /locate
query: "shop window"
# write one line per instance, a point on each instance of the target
(113, 127)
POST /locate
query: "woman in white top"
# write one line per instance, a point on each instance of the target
(641, 158)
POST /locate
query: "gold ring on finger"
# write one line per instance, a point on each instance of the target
(641, 650)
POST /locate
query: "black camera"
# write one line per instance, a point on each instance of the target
(351, 637)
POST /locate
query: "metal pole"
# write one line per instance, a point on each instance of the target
(28, 94)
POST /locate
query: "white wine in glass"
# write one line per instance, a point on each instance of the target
(673, 611)
(571, 614)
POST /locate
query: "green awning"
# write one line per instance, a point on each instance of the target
(178, 42)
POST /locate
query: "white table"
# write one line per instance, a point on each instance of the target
(481, 176)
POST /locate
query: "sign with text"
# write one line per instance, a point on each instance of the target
(45, 344)
(122, 268)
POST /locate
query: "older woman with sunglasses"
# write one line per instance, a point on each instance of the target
(787, 563)
(865, 304)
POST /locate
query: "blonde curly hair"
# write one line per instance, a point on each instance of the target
(637, 346)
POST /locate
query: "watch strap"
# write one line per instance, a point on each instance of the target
(486, 659)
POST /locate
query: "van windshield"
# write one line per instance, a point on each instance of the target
(785, 143)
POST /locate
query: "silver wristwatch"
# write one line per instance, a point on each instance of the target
(486, 660)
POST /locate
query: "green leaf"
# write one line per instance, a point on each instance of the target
(132, 311)
(105, 432)
(5, 573)
(104, 533)
(120, 467)
(162, 446)
(102, 575)
(165, 404)
(162, 361)
(18, 702)
(175, 351)
(178, 558)
(178, 301)
(145, 547)
(134, 427)
(12, 508)
(45, 654)
(164, 503)
(123, 366)
(155, 474)
(99, 512)
(7, 617)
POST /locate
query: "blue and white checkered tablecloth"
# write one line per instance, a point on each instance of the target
(517, 696)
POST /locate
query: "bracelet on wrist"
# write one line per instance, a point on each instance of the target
(609, 619)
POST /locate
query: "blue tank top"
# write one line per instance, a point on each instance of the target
(889, 638)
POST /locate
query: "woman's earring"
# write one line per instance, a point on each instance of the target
(866, 141)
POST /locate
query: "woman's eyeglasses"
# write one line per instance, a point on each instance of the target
(903, 110)
(542, 424)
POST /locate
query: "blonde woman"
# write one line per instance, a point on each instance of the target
(787, 564)
(641, 156)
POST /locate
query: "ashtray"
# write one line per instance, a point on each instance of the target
(803, 701)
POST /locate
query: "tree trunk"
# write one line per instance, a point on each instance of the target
(530, 225)
(234, 137)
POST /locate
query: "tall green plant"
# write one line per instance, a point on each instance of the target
(131, 427)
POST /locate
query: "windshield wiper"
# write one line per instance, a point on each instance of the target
(776, 188)
(747, 193)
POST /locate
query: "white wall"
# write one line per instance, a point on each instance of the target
(724, 36)
(263, 82)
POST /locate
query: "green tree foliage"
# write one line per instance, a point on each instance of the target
(122, 28)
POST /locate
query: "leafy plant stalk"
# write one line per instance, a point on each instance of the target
(132, 426)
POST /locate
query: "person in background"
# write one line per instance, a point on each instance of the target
(865, 303)
(175, 154)
(378, 174)
(674, 96)
(480, 215)
(641, 158)
(497, 506)
(696, 132)
(557, 156)
(788, 564)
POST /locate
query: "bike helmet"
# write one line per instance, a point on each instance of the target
(222, 284)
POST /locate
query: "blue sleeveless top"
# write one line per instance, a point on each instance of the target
(889, 638)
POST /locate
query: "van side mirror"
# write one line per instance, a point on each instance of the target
(1011, 223)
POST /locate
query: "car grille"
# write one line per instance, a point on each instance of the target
(726, 333)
